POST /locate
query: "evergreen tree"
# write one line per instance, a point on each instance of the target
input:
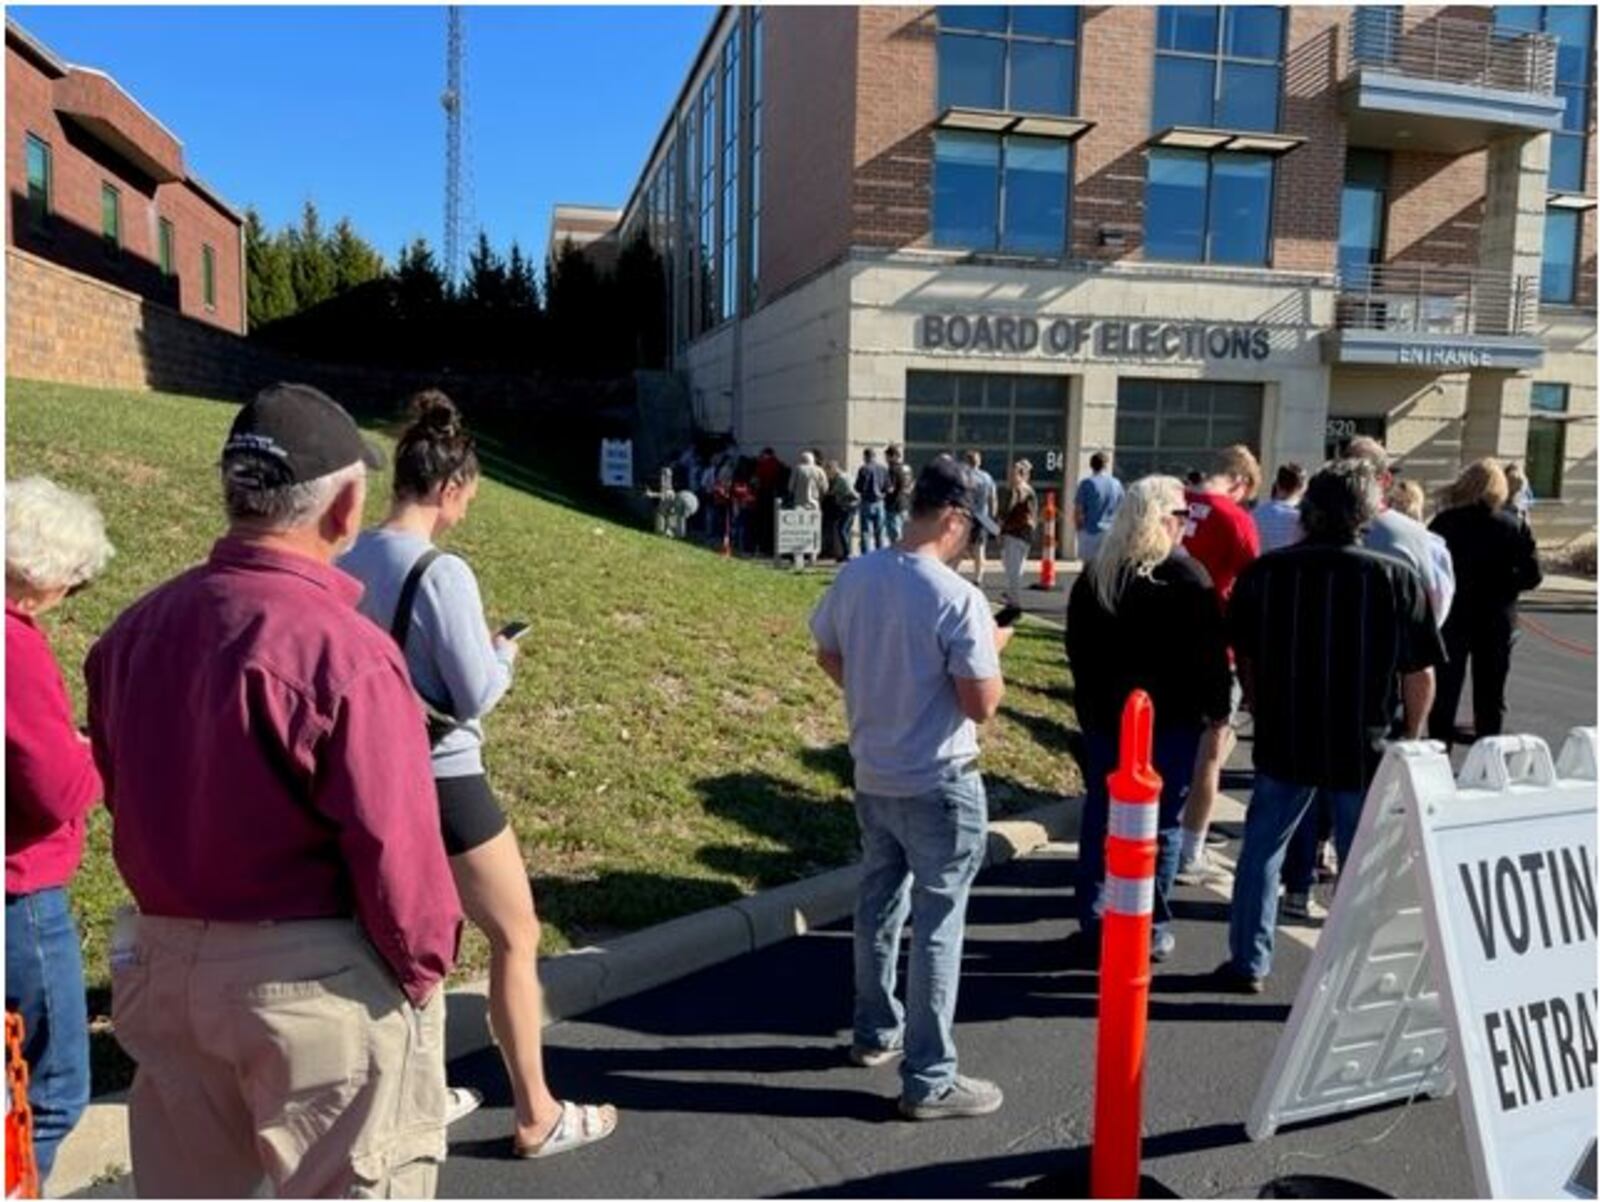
(311, 260)
(269, 290)
(355, 261)
(639, 288)
(574, 304)
(522, 289)
(486, 291)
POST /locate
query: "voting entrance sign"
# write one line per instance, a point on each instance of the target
(1460, 955)
(799, 532)
(616, 462)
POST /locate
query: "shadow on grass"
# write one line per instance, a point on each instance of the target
(593, 909)
(813, 832)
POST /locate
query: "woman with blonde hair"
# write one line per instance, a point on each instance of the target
(1495, 561)
(1016, 528)
(55, 545)
(1141, 618)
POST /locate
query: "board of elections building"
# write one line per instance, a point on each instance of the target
(1046, 231)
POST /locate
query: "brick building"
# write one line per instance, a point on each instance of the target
(1045, 231)
(98, 185)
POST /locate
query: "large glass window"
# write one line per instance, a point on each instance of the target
(1002, 417)
(729, 273)
(1573, 26)
(1000, 193)
(757, 96)
(1021, 60)
(1202, 207)
(1218, 68)
(208, 276)
(40, 170)
(1547, 440)
(1559, 276)
(1171, 426)
(111, 218)
(707, 258)
(165, 247)
(1362, 204)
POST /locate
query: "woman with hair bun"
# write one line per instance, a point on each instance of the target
(430, 603)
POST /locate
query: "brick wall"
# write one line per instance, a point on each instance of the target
(1116, 82)
(80, 166)
(1305, 219)
(891, 200)
(1435, 208)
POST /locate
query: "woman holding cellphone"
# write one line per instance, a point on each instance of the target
(430, 603)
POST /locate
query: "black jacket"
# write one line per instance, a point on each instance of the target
(1494, 558)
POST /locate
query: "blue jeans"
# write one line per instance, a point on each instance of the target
(1276, 808)
(44, 983)
(918, 857)
(872, 525)
(1173, 752)
(842, 530)
(1300, 861)
(894, 525)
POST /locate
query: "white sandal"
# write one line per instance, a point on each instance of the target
(577, 1126)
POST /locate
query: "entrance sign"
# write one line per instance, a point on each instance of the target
(616, 462)
(799, 532)
(1460, 952)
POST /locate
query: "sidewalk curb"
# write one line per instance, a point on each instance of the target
(578, 981)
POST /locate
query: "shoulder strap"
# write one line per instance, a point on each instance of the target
(400, 627)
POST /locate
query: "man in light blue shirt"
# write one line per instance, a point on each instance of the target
(1095, 504)
(917, 653)
(1278, 520)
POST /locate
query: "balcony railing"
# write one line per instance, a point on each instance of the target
(1426, 300)
(1450, 50)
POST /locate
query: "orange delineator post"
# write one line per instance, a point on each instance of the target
(1129, 897)
(1047, 550)
(22, 1170)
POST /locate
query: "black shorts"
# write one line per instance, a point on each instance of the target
(468, 813)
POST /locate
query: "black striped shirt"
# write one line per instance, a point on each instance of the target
(1324, 634)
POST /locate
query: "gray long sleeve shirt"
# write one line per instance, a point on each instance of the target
(452, 659)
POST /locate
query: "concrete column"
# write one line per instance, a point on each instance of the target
(1091, 427)
(1496, 420)
(1294, 418)
(1511, 238)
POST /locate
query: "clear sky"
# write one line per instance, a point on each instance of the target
(341, 104)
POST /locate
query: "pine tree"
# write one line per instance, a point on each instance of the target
(486, 287)
(311, 260)
(522, 289)
(269, 290)
(355, 261)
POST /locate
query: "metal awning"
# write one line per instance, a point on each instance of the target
(1191, 137)
(1069, 129)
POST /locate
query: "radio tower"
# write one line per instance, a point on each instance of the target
(452, 100)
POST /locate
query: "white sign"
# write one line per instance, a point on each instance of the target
(616, 462)
(799, 532)
(1461, 951)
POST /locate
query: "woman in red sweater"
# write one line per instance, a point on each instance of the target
(55, 544)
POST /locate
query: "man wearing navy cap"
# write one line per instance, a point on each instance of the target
(916, 651)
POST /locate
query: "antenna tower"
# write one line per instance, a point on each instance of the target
(452, 102)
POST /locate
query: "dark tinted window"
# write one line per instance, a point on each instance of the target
(969, 171)
(1218, 68)
(1175, 205)
(1559, 277)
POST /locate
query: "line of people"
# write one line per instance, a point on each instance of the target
(288, 738)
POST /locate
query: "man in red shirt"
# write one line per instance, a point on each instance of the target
(1221, 537)
(274, 816)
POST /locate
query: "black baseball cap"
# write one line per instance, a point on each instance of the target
(293, 434)
(944, 483)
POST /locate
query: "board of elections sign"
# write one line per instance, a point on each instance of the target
(1460, 954)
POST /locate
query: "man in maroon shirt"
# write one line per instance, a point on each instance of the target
(266, 766)
(1221, 537)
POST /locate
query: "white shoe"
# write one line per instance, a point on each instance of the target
(1301, 908)
(1201, 870)
(461, 1102)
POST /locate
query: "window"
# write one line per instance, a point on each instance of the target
(708, 203)
(757, 93)
(1547, 440)
(1171, 426)
(728, 275)
(1361, 211)
(208, 276)
(1000, 193)
(1202, 207)
(111, 218)
(1021, 60)
(1218, 68)
(1573, 26)
(1002, 417)
(1559, 275)
(39, 183)
(165, 247)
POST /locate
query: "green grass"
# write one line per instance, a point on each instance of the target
(669, 743)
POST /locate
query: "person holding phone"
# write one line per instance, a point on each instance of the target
(430, 604)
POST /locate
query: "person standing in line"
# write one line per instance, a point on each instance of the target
(989, 502)
(1496, 561)
(1140, 617)
(810, 485)
(430, 604)
(770, 477)
(1330, 637)
(1278, 521)
(917, 654)
(1220, 537)
(55, 545)
(1395, 533)
(1405, 496)
(1519, 493)
(1016, 529)
(897, 500)
(281, 986)
(872, 486)
(845, 501)
(1095, 505)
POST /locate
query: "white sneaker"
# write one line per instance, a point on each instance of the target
(1301, 908)
(460, 1103)
(1201, 870)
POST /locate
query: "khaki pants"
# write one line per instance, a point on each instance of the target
(278, 1053)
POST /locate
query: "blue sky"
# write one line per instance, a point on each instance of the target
(275, 105)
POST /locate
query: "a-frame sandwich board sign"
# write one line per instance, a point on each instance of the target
(1460, 951)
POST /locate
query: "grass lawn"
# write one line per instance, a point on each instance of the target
(668, 744)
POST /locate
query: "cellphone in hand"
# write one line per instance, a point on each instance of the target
(515, 630)
(1008, 616)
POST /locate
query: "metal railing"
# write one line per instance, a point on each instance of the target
(1451, 50)
(1423, 299)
